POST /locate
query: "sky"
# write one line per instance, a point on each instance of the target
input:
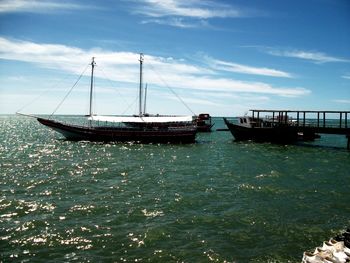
(221, 57)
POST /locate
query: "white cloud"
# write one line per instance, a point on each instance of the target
(185, 14)
(123, 67)
(192, 101)
(208, 83)
(36, 6)
(201, 9)
(342, 101)
(177, 22)
(346, 76)
(316, 57)
(244, 69)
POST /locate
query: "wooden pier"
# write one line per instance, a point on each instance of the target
(310, 122)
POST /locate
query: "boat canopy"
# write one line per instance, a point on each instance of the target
(142, 119)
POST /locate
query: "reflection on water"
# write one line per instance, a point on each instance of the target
(216, 200)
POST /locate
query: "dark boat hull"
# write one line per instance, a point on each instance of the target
(122, 134)
(277, 134)
(203, 122)
(204, 128)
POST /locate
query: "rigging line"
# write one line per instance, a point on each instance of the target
(59, 105)
(131, 104)
(42, 93)
(171, 89)
(110, 83)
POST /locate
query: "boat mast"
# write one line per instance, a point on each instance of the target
(91, 83)
(145, 99)
(140, 89)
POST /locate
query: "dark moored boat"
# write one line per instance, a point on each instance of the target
(203, 122)
(142, 128)
(151, 134)
(259, 130)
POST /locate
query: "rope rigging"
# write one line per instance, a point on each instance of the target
(129, 105)
(43, 92)
(119, 94)
(65, 97)
(180, 99)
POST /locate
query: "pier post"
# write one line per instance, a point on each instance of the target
(298, 118)
(316, 121)
(285, 119)
(341, 116)
(324, 119)
(346, 119)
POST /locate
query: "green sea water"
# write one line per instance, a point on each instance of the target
(213, 201)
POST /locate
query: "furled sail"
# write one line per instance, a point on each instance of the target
(142, 119)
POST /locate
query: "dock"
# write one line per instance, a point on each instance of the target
(310, 122)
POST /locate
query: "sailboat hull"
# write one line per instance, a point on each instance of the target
(182, 134)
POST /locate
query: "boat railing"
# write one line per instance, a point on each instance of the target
(312, 122)
(314, 119)
(144, 125)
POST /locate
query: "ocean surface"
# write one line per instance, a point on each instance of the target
(213, 201)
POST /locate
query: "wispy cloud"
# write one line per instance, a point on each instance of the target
(346, 76)
(245, 69)
(315, 57)
(36, 6)
(177, 22)
(160, 71)
(202, 9)
(342, 101)
(185, 14)
(197, 101)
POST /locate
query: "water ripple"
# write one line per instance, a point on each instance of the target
(214, 201)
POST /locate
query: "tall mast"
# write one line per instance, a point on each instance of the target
(145, 100)
(140, 89)
(92, 83)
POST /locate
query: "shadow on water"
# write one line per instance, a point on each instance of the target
(315, 145)
(320, 146)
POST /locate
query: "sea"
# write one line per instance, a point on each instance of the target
(216, 200)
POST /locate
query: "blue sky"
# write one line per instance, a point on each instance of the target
(221, 57)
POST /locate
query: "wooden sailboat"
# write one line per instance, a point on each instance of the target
(143, 128)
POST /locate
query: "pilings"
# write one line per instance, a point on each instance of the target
(338, 120)
(330, 122)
